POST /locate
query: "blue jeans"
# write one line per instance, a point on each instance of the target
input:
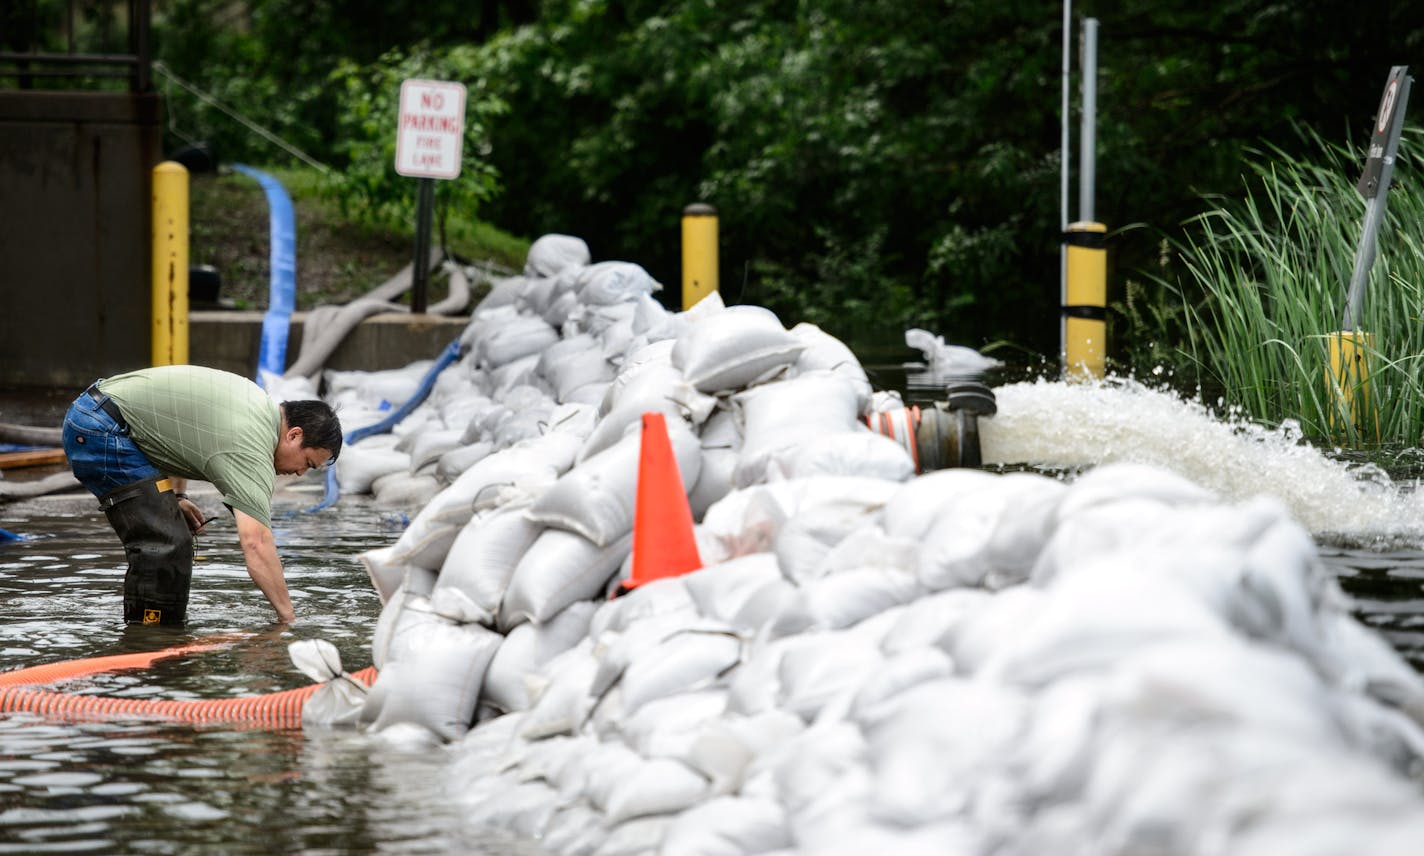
(102, 454)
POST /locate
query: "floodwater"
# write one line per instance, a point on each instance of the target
(154, 787)
(144, 786)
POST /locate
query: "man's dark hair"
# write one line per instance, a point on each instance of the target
(320, 427)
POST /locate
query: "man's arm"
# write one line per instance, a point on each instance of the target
(259, 549)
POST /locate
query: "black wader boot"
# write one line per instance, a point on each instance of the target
(159, 548)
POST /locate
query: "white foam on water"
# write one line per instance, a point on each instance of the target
(1079, 425)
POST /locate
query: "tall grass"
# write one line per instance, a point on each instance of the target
(1270, 273)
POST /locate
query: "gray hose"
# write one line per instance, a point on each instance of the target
(319, 344)
(12, 490)
(29, 435)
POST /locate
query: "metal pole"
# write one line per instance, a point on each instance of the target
(424, 202)
(1087, 136)
(141, 15)
(699, 253)
(170, 264)
(1374, 211)
(1063, 180)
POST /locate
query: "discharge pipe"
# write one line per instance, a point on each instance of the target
(272, 357)
(945, 434)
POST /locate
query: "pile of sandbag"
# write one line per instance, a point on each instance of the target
(956, 662)
(528, 447)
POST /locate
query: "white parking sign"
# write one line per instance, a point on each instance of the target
(432, 129)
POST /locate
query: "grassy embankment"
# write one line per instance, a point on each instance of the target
(337, 260)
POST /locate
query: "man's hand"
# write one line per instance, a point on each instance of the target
(192, 514)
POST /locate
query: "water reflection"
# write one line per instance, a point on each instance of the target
(123, 786)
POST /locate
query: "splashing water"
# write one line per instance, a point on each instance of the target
(1076, 425)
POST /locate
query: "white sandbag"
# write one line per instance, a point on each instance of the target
(714, 480)
(869, 546)
(661, 597)
(733, 348)
(552, 253)
(645, 356)
(576, 828)
(426, 541)
(392, 387)
(435, 681)
(483, 557)
(683, 661)
(541, 293)
(559, 569)
(721, 592)
(915, 507)
(845, 599)
(821, 668)
(654, 323)
(529, 467)
(652, 388)
(386, 575)
(589, 395)
(607, 283)
(721, 439)
(803, 542)
(461, 458)
(572, 363)
(933, 620)
(603, 321)
(855, 453)
(524, 809)
(955, 551)
(339, 699)
(790, 413)
(725, 749)
(935, 745)
(637, 837)
(560, 695)
(747, 520)
(521, 372)
(560, 308)
(430, 445)
(516, 338)
(503, 292)
(405, 490)
(596, 499)
(642, 788)
(825, 352)
(668, 727)
(728, 826)
(362, 463)
(526, 649)
(880, 693)
(409, 605)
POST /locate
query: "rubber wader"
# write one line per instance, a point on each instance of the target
(159, 548)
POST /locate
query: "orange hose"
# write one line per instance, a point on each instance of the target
(274, 710)
(50, 672)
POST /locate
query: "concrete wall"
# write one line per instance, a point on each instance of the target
(74, 234)
(233, 340)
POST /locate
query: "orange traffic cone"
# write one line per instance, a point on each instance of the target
(663, 543)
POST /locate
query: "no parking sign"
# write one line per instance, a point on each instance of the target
(431, 132)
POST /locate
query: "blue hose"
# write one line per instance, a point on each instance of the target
(277, 322)
(427, 383)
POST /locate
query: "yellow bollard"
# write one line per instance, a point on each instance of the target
(1350, 381)
(170, 264)
(1085, 312)
(699, 253)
